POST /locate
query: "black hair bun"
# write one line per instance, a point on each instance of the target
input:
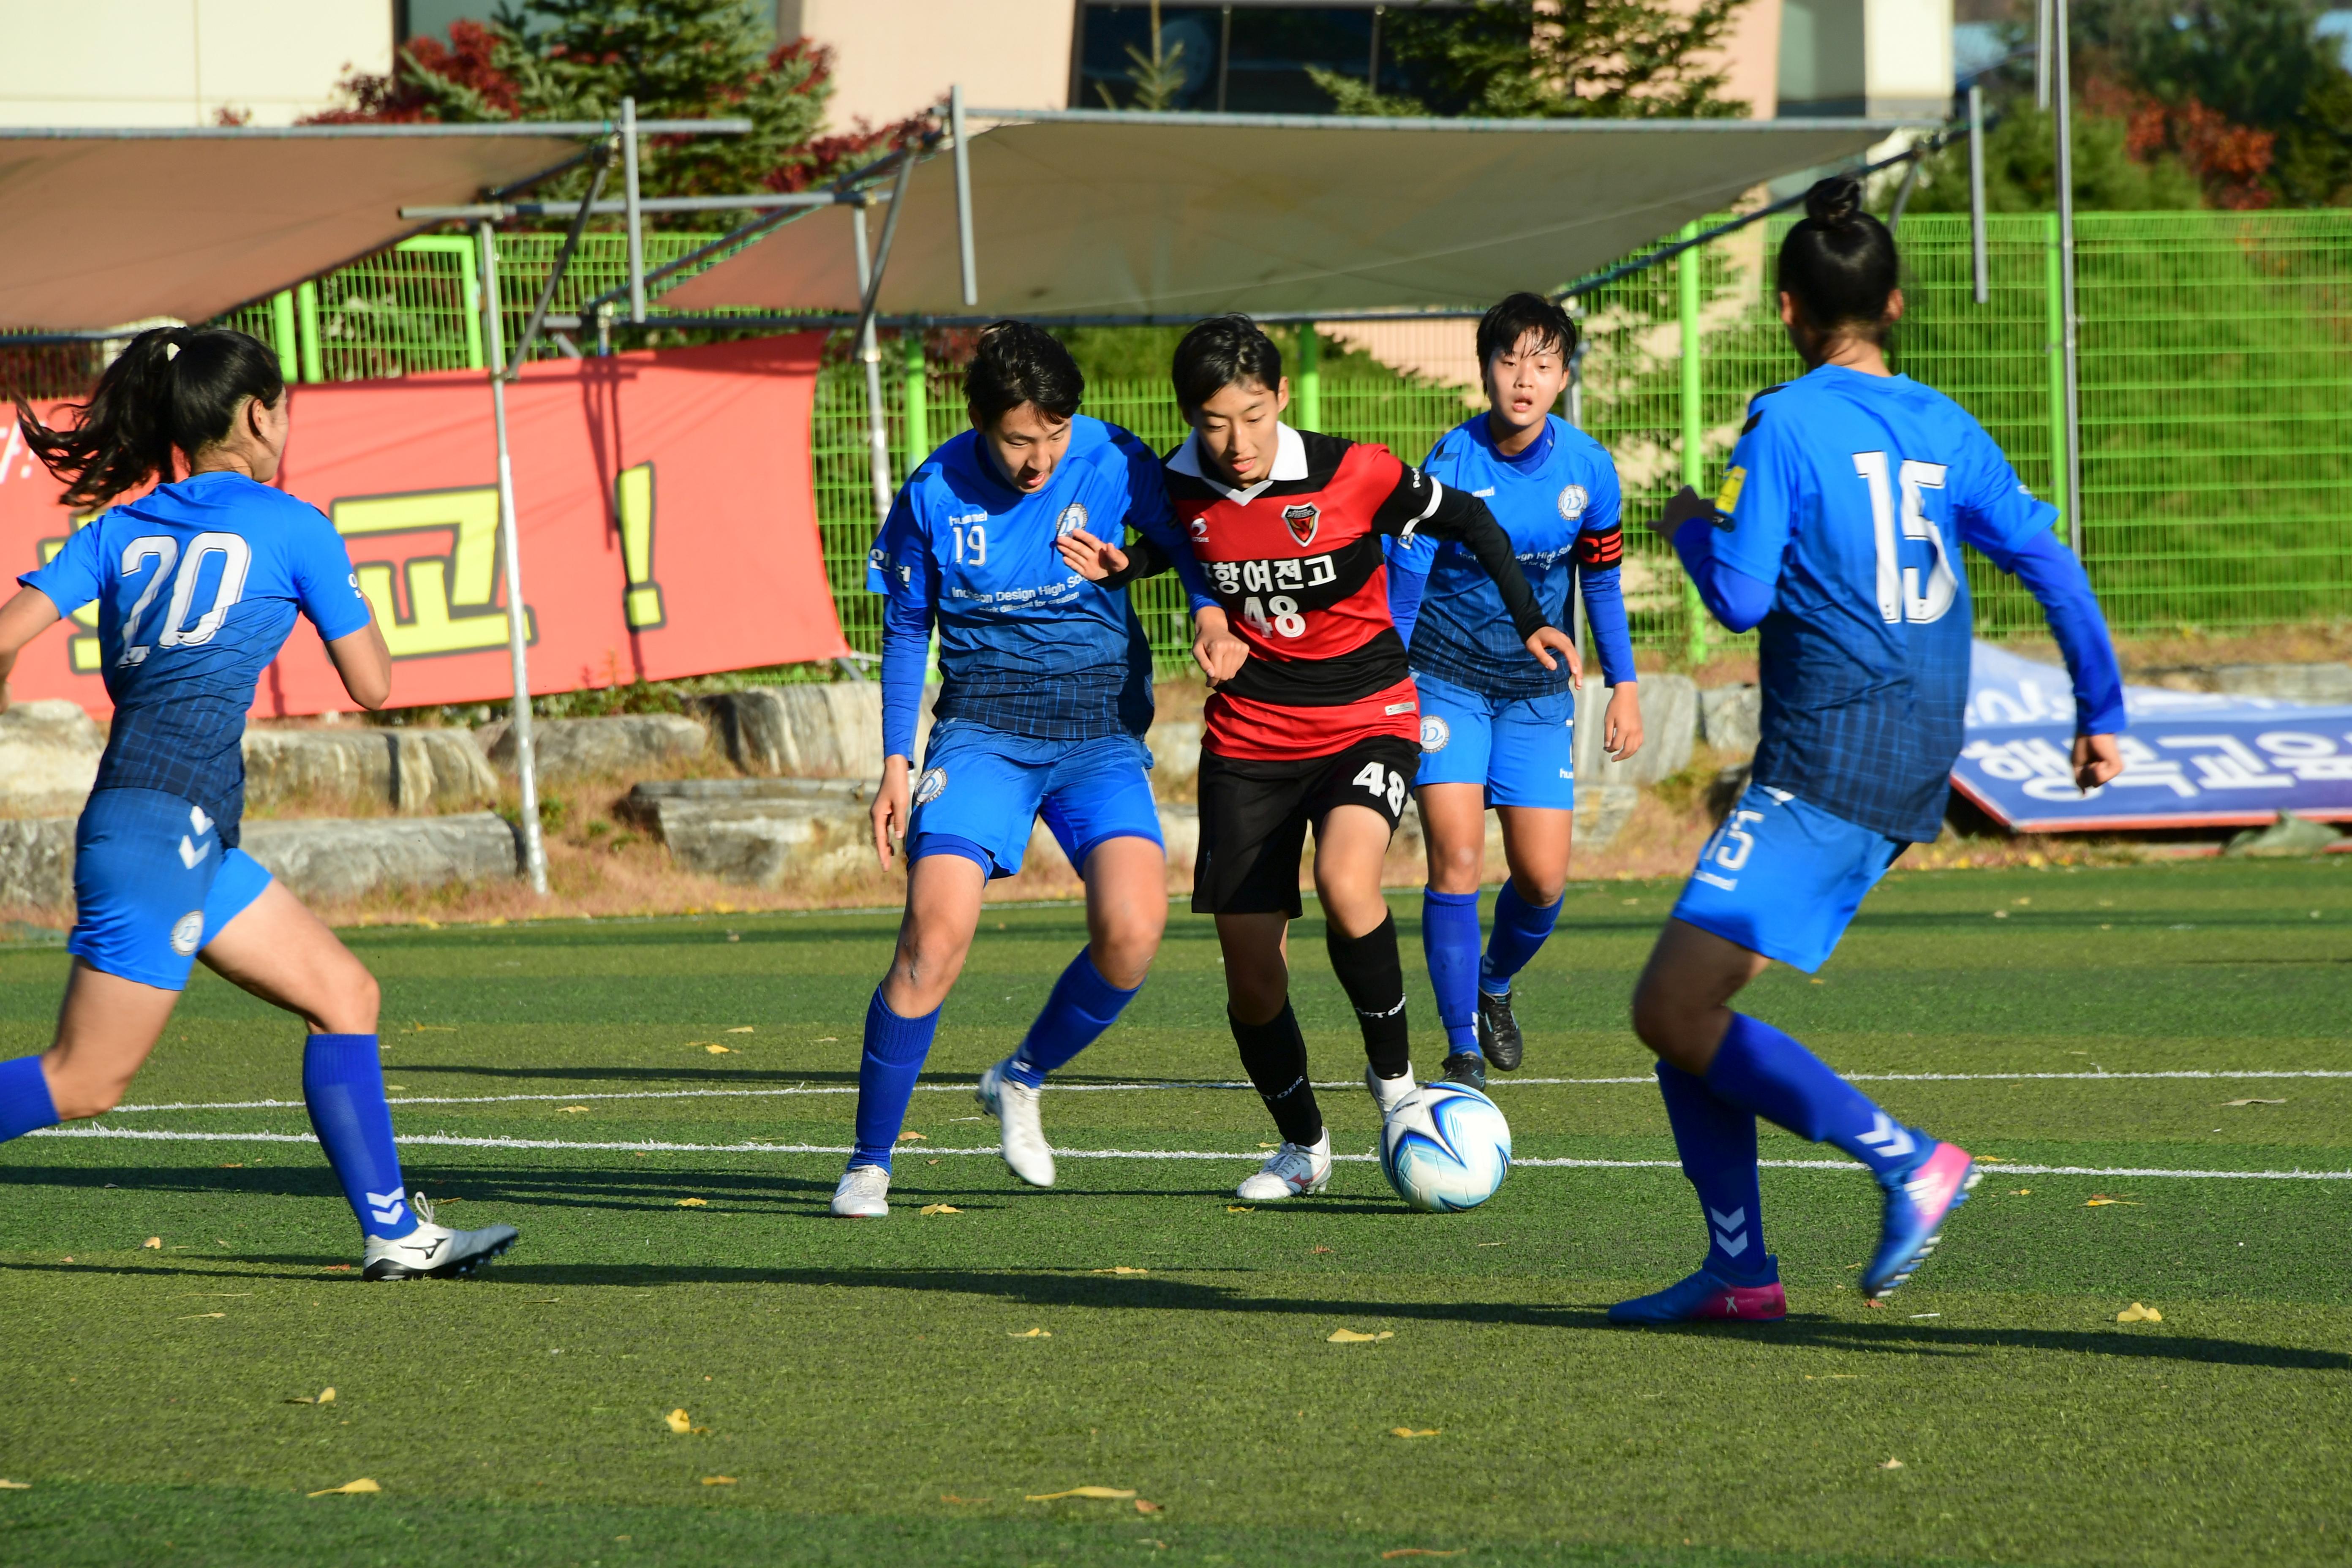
(1834, 203)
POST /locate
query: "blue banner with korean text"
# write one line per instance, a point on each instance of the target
(2191, 759)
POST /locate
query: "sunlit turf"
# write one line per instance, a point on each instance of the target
(874, 1391)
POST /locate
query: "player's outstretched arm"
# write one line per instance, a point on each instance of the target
(1460, 518)
(364, 662)
(2060, 585)
(22, 618)
(1731, 596)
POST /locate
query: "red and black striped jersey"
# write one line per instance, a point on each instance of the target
(1296, 560)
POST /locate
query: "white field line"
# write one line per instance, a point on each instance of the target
(1213, 1084)
(650, 1146)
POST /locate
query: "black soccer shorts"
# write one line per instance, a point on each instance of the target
(1255, 817)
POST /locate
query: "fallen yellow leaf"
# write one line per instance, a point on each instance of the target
(1892, 1465)
(717, 1050)
(1114, 1494)
(571, 1110)
(1122, 1269)
(2136, 1314)
(1351, 1337)
(192, 1316)
(694, 1202)
(914, 1137)
(8, 1485)
(951, 1497)
(719, 1480)
(2100, 1200)
(1240, 1208)
(326, 1397)
(1414, 1431)
(1145, 1505)
(2021, 1193)
(938, 1209)
(1032, 1334)
(2253, 1103)
(679, 1421)
(738, 1029)
(154, 1244)
(1269, 1145)
(348, 1488)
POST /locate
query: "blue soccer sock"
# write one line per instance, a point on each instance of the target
(1449, 940)
(1082, 1006)
(1520, 929)
(895, 1050)
(1760, 1069)
(24, 1102)
(1717, 1140)
(343, 1087)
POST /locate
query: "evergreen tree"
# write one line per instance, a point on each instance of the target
(1520, 59)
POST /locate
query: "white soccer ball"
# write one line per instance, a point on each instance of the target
(1445, 1148)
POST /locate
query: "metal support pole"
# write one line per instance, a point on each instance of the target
(562, 260)
(534, 847)
(1686, 277)
(917, 398)
(2042, 54)
(1310, 378)
(636, 217)
(1977, 249)
(2054, 358)
(1572, 398)
(869, 348)
(2072, 364)
(963, 196)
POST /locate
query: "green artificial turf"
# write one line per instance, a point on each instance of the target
(874, 1390)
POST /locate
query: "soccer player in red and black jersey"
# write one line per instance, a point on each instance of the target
(1313, 720)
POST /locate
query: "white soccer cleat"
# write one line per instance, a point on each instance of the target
(1293, 1171)
(1388, 1093)
(864, 1194)
(433, 1251)
(1015, 1106)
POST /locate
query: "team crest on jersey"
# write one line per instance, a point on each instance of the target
(1073, 517)
(1434, 733)
(188, 933)
(1572, 501)
(1303, 519)
(934, 784)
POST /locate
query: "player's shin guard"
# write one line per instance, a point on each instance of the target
(1373, 975)
(1761, 1069)
(895, 1051)
(1520, 929)
(1082, 1006)
(24, 1102)
(1717, 1141)
(342, 1088)
(1273, 1054)
(1449, 940)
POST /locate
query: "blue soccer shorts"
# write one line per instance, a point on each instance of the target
(152, 885)
(1784, 879)
(982, 789)
(1522, 749)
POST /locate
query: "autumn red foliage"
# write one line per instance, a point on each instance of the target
(2228, 159)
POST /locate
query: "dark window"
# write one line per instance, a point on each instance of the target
(1106, 69)
(1274, 47)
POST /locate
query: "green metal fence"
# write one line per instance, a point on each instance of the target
(2216, 397)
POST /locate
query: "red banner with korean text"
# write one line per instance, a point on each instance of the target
(667, 525)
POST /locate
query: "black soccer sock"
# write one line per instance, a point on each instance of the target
(1373, 977)
(1273, 1054)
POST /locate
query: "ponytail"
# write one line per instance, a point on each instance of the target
(1840, 262)
(175, 388)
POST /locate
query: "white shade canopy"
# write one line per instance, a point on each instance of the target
(108, 226)
(1082, 212)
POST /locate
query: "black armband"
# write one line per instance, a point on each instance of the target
(1144, 559)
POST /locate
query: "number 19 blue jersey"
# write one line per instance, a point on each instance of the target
(197, 585)
(1852, 494)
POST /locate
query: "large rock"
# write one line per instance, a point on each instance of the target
(1669, 728)
(48, 757)
(418, 771)
(37, 862)
(343, 858)
(812, 731)
(1175, 752)
(573, 748)
(1730, 717)
(762, 832)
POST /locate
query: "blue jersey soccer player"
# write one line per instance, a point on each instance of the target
(197, 584)
(1497, 730)
(1044, 695)
(1837, 534)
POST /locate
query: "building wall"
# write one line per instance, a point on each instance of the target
(181, 62)
(896, 58)
(1890, 57)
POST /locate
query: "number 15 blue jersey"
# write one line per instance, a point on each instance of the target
(1852, 494)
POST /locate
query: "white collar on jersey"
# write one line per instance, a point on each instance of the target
(1289, 463)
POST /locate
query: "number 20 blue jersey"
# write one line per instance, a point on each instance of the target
(197, 585)
(1854, 494)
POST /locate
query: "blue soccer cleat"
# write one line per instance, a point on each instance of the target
(1704, 1298)
(1916, 1211)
